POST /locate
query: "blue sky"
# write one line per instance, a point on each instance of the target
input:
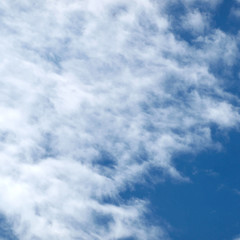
(206, 208)
(119, 120)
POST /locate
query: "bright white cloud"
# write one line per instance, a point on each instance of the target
(195, 22)
(94, 94)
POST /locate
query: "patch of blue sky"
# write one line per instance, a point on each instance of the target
(220, 17)
(6, 232)
(208, 206)
(105, 160)
(47, 146)
(102, 220)
(117, 10)
(224, 18)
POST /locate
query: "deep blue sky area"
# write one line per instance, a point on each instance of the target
(223, 19)
(6, 232)
(207, 207)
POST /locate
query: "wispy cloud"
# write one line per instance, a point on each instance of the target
(93, 95)
(235, 10)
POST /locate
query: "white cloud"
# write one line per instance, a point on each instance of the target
(235, 10)
(84, 82)
(196, 22)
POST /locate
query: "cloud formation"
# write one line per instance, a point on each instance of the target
(93, 95)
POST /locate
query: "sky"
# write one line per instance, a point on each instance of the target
(119, 120)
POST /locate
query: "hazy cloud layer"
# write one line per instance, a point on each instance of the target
(93, 95)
